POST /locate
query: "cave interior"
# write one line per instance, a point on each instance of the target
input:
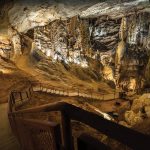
(94, 55)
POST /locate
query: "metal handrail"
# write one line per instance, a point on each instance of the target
(80, 93)
(127, 136)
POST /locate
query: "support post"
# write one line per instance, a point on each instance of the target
(13, 98)
(27, 94)
(30, 90)
(21, 96)
(66, 128)
(78, 92)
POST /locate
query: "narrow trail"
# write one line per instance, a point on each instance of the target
(7, 140)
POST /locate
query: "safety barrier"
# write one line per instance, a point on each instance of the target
(35, 134)
(90, 94)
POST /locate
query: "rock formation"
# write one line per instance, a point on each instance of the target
(5, 47)
(118, 41)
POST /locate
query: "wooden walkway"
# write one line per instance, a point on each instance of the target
(78, 93)
(7, 140)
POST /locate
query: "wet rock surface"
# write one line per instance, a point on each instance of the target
(121, 52)
(113, 34)
(5, 47)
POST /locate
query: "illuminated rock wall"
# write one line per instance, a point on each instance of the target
(120, 45)
(5, 47)
(63, 41)
(112, 34)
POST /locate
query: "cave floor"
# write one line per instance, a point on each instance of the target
(7, 140)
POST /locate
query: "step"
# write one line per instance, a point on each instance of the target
(44, 89)
(48, 90)
(36, 89)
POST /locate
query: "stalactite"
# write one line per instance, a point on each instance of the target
(120, 49)
(84, 30)
(16, 42)
(70, 41)
(123, 29)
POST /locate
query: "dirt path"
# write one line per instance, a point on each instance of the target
(7, 140)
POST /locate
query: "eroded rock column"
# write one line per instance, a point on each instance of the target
(16, 43)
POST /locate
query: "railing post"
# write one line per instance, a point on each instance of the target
(40, 86)
(66, 129)
(21, 96)
(78, 92)
(27, 94)
(31, 90)
(114, 94)
(13, 98)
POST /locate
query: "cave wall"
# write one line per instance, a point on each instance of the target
(135, 59)
(121, 45)
(5, 47)
(63, 41)
(104, 33)
(15, 38)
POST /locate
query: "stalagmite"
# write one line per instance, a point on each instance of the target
(16, 42)
(121, 48)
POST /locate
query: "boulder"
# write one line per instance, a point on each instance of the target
(141, 102)
(133, 118)
(147, 111)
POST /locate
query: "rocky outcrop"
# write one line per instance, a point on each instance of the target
(5, 47)
(140, 103)
(63, 41)
(135, 58)
(16, 42)
(147, 111)
(104, 33)
(140, 110)
(133, 118)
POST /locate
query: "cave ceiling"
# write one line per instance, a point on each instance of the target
(28, 14)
